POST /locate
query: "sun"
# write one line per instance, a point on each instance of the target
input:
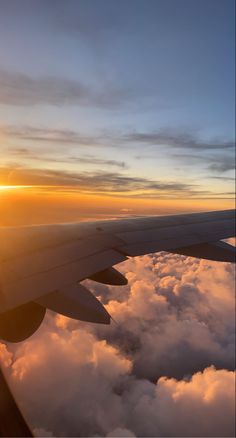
(3, 187)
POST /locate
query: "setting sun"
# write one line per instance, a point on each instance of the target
(13, 187)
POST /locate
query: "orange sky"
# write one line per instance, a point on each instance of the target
(23, 206)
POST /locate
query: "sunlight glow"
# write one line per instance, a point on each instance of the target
(13, 187)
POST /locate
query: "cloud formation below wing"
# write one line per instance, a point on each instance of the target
(164, 369)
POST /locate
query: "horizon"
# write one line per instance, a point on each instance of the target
(118, 101)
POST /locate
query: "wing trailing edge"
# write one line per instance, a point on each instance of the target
(217, 251)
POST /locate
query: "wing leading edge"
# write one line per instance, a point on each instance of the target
(44, 264)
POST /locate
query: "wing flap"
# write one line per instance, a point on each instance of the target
(158, 234)
(109, 276)
(170, 245)
(218, 251)
(169, 239)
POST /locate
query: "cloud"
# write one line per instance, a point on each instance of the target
(161, 138)
(82, 355)
(5, 356)
(191, 149)
(216, 163)
(223, 178)
(222, 165)
(61, 137)
(163, 369)
(176, 140)
(61, 147)
(200, 399)
(183, 313)
(20, 89)
(50, 156)
(54, 146)
(102, 182)
(99, 182)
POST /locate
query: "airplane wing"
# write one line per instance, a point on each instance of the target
(42, 266)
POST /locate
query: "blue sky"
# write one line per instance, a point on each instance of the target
(137, 89)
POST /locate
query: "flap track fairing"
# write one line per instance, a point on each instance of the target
(77, 302)
(109, 276)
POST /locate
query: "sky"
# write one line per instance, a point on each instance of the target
(112, 107)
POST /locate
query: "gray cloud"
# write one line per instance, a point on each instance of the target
(101, 182)
(98, 161)
(191, 150)
(36, 155)
(223, 178)
(223, 165)
(162, 138)
(177, 140)
(217, 163)
(62, 137)
(21, 89)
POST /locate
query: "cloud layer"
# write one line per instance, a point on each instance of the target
(102, 182)
(165, 368)
(214, 156)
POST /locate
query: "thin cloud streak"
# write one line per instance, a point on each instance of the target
(45, 156)
(162, 138)
(22, 90)
(62, 137)
(100, 180)
(176, 140)
(222, 165)
(223, 178)
(216, 163)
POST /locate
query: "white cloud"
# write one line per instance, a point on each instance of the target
(148, 375)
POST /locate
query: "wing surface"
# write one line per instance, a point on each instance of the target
(40, 263)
